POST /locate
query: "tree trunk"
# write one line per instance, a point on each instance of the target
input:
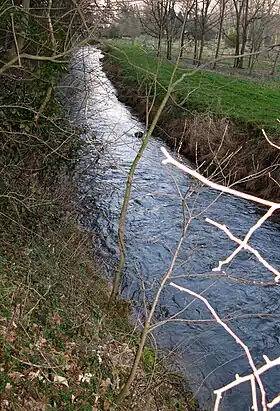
(251, 61)
(182, 35)
(203, 26)
(244, 35)
(237, 44)
(275, 63)
(195, 51)
(195, 35)
(159, 45)
(201, 48)
(182, 43)
(222, 14)
(169, 49)
(238, 13)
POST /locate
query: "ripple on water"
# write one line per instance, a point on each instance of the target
(205, 353)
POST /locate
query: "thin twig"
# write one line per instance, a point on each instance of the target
(15, 39)
(274, 402)
(269, 141)
(50, 27)
(44, 104)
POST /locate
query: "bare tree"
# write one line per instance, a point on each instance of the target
(251, 19)
(153, 18)
(183, 16)
(222, 10)
(275, 61)
(202, 26)
(239, 8)
(245, 25)
(203, 21)
(171, 20)
(196, 31)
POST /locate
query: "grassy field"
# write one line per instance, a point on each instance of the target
(246, 102)
(262, 67)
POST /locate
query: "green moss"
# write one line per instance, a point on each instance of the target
(148, 359)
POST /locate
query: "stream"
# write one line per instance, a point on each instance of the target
(200, 348)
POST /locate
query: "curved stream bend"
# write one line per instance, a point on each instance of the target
(204, 352)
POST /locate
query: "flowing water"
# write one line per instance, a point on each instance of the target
(205, 353)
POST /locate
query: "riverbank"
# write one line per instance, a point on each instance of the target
(212, 119)
(61, 347)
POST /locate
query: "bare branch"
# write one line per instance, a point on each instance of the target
(170, 160)
(255, 375)
(274, 402)
(243, 244)
(246, 247)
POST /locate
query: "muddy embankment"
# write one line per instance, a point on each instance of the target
(225, 151)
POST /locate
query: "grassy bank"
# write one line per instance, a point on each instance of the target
(214, 119)
(246, 102)
(60, 346)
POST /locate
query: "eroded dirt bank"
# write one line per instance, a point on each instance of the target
(224, 150)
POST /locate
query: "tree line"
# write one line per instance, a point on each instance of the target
(184, 27)
(232, 26)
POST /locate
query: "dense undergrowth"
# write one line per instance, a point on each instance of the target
(213, 119)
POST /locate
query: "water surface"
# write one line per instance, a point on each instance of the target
(208, 357)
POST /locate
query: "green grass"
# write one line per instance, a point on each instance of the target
(246, 102)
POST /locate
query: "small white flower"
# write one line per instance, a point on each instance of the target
(99, 358)
(85, 378)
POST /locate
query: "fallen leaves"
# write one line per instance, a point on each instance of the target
(104, 385)
(60, 380)
(57, 318)
(15, 375)
(120, 354)
(35, 374)
(8, 386)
